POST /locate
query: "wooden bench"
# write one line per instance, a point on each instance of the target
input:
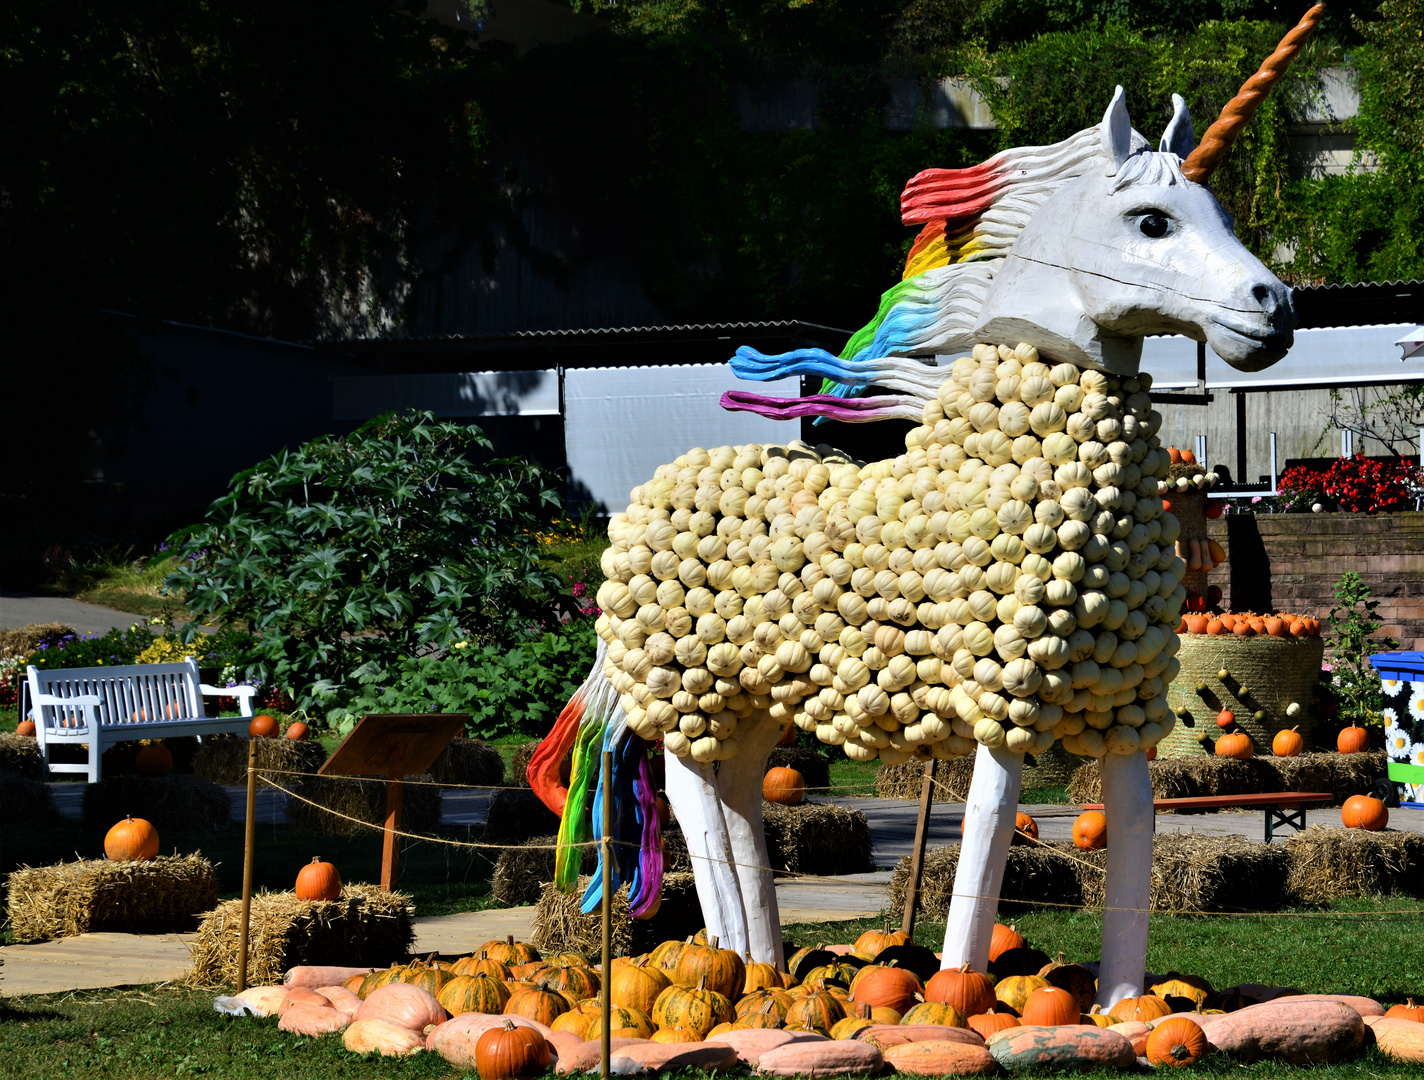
(1281, 807)
(101, 706)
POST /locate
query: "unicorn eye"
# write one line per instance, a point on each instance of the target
(1154, 225)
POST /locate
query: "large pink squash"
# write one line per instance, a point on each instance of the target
(382, 1037)
(313, 1020)
(403, 1005)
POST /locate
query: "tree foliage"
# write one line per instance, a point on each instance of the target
(358, 551)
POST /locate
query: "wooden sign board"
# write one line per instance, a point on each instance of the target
(395, 746)
(382, 743)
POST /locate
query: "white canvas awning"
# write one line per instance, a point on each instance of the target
(1412, 343)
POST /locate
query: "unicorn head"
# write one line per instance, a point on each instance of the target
(1081, 249)
(1135, 248)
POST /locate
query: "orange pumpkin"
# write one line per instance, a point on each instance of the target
(770, 999)
(131, 840)
(537, 1003)
(1025, 829)
(676, 1035)
(1236, 744)
(1014, 990)
(1146, 1008)
(1176, 1041)
(1074, 978)
(473, 993)
(1048, 1006)
(509, 952)
(761, 976)
(934, 1012)
(318, 880)
(1003, 939)
(788, 737)
(1277, 627)
(1288, 743)
(262, 726)
(988, 1023)
(1225, 719)
(636, 984)
(969, 991)
(509, 1051)
(623, 1024)
(722, 969)
(574, 1022)
(1364, 812)
(1352, 740)
(298, 731)
(692, 1007)
(819, 1010)
(1407, 1011)
(873, 942)
(571, 980)
(1090, 830)
(1215, 626)
(480, 964)
(1196, 624)
(783, 785)
(25, 728)
(155, 759)
(888, 987)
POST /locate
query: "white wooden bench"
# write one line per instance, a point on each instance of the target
(101, 706)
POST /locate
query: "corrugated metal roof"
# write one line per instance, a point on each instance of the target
(573, 335)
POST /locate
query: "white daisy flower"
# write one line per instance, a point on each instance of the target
(1416, 754)
(1416, 701)
(1397, 740)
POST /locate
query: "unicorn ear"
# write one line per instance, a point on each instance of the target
(1116, 130)
(1178, 138)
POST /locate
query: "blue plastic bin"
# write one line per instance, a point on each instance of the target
(1402, 677)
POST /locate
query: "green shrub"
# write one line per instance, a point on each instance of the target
(514, 691)
(362, 550)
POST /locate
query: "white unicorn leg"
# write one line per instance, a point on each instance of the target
(739, 783)
(692, 792)
(1127, 800)
(988, 830)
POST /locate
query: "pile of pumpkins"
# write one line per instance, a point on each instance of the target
(850, 1010)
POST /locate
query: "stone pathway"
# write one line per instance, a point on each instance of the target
(21, 608)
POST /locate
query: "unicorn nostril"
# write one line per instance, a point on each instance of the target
(1266, 297)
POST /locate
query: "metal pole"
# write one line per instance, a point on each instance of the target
(249, 842)
(607, 972)
(1242, 472)
(1201, 451)
(917, 856)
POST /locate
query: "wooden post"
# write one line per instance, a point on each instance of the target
(390, 848)
(917, 856)
(249, 842)
(607, 972)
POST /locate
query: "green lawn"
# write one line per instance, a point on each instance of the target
(1355, 947)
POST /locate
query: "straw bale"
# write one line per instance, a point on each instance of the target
(521, 873)
(560, 926)
(814, 766)
(1278, 672)
(168, 802)
(23, 799)
(516, 816)
(817, 838)
(223, 758)
(159, 896)
(1032, 875)
(364, 927)
(20, 754)
(903, 781)
(1342, 775)
(1050, 768)
(1326, 863)
(1199, 873)
(524, 753)
(123, 757)
(364, 800)
(469, 762)
(22, 640)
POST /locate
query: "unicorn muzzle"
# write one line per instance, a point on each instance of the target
(1259, 332)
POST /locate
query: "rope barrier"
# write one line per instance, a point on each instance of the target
(826, 879)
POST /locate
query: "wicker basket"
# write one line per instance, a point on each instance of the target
(1275, 672)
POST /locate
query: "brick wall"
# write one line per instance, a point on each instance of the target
(1291, 562)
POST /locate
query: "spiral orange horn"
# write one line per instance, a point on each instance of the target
(1203, 161)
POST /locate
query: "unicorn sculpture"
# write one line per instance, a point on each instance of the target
(1007, 582)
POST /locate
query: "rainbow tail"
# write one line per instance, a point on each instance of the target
(543, 771)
